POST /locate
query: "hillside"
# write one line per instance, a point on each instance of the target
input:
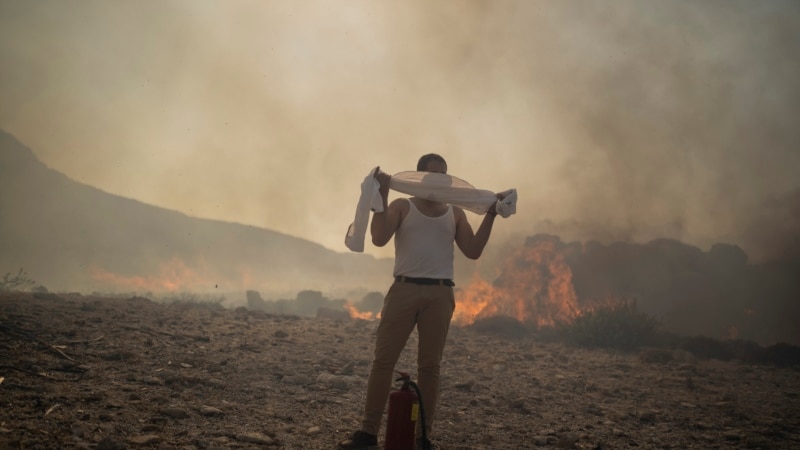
(70, 236)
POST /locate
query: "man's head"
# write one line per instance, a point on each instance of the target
(432, 163)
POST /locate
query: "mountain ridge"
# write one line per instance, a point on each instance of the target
(72, 236)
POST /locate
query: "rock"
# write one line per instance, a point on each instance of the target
(732, 435)
(159, 399)
(255, 438)
(175, 413)
(348, 368)
(78, 430)
(340, 382)
(464, 385)
(520, 406)
(159, 420)
(152, 381)
(214, 382)
(567, 440)
(210, 411)
(296, 380)
(108, 443)
(647, 417)
(144, 439)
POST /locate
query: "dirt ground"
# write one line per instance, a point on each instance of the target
(112, 373)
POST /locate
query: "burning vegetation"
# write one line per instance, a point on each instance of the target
(173, 276)
(616, 294)
(622, 292)
(535, 287)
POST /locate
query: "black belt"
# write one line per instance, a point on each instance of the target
(426, 281)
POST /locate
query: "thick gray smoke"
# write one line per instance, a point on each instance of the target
(628, 120)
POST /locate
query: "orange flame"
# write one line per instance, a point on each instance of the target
(478, 300)
(535, 286)
(356, 314)
(173, 275)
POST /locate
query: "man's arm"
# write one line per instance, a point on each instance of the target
(385, 223)
(472, 244)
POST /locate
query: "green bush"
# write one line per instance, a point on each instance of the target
(617, 325)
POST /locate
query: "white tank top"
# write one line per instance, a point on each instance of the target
(424, 245)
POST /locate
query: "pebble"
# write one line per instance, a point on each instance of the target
(108, 443)
(296, 380)
(340, 382)
(153, 381)
(733, 435)
(144, 439)
(255, 438)
(210, 411)
(175, 413)
(348, 368)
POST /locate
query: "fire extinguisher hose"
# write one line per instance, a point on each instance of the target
(425, 442)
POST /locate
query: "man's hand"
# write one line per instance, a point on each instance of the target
(493, 209)
(383, 179)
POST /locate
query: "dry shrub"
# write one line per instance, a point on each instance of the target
(18, 282)
(616, 325)
(783, 355)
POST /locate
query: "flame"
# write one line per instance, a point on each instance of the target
(173, 275)
(534, 286)
(356, 314)
(477, 300)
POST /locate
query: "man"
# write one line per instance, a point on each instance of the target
(421, 296)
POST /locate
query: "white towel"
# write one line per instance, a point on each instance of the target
(354, 240)
(430, 186)
(508, 205)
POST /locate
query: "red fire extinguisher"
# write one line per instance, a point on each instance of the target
(405, 405)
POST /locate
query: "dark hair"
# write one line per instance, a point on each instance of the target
(422, 164)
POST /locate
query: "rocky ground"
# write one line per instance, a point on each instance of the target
(107, 373)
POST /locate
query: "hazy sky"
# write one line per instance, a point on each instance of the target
(614, 120)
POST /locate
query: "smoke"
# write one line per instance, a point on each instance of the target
(624, 121)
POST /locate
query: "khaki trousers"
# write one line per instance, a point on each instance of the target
(429, 308)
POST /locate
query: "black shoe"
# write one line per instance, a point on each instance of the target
(360, 441)
(425, 444)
